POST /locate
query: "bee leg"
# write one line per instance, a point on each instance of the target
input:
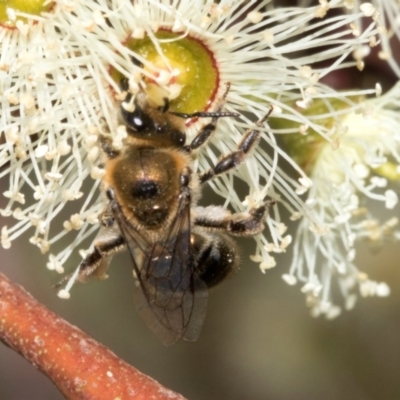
(95, 264)
(106, 218)
(106, 146)
(238, 224)
(202, 136)
(232, 160)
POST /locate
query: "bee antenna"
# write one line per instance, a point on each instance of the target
(165, 107)
(201, 114)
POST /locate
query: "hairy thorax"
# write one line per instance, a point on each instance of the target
(146, 182)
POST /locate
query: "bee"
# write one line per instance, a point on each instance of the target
(178, 249)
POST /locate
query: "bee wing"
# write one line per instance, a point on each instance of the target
(170, 298)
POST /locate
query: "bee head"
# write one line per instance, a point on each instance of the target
(149, 123)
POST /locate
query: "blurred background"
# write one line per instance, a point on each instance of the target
(258, 341)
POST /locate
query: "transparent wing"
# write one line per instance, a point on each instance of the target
(170, 298)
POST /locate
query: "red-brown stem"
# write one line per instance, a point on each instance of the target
(79, 366)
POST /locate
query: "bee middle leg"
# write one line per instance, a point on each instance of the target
(95, 264)
(238, 224)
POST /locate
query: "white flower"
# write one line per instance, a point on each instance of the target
(49, 106)
(271, 56)
(347, 179)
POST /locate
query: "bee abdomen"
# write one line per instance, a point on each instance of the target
(215, 257)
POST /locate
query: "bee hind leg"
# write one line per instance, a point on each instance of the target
(238, 224)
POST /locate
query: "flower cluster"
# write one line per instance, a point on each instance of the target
(348, 174)
(324, 153)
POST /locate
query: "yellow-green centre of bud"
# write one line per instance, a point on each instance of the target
(189, 68)
(33, 7)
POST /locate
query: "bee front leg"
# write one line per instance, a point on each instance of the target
(206, 132)
(106, 145)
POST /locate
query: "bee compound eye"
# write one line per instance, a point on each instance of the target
(137, 120)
